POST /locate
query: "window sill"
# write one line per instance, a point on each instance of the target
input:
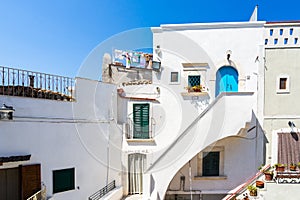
(140, 140)
(210, 177)
(193, 94)
(282, 92)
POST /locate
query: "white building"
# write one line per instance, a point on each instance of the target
(184, 123)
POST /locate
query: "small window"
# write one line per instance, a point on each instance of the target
(285, 40)
(281, 31)
(194, 80)
(211, 163)
(296, 41)
(174, 77)
(63, 180)
(275, 41)
(291, 31)
(283, 84)
(266, 41)
(271, 32)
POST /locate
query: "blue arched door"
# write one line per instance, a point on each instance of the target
(226, 80)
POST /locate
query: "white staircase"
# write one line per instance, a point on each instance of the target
(225, 116)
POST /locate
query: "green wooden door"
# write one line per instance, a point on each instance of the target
(141, 121)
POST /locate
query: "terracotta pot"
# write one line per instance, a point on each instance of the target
(268, 176)
(280, 168)
(293, 168)
(260, 184)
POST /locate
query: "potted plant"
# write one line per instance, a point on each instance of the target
(260, 184)
(196, 88)
(268, 175)
(252, 190)
(279, 167)
(293, 167)
(298, 164)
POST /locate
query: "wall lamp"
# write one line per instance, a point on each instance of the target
(6, 112)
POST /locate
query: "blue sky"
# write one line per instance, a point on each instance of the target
(56, 36)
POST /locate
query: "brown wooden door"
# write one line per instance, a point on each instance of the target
(9, 184)
(30, 180)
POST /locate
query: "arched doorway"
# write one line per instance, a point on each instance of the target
(226, 80)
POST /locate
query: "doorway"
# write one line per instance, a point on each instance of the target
(226, 80)
(136, 167)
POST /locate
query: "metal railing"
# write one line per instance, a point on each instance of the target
(240, 189)
(17, 82)
(130, 132)
(102, 192)
(40, 195)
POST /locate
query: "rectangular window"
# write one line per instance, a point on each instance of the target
(291, 31)
(141, 121)
(283, 83)
(271, 32)
(296, 41)
(285, 40)
(275, 41)
(211, 164)
(63, 180)
(194, 80)
(174, 77)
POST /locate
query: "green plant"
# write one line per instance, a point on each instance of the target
(293, 167)
(196, 88)
(279, 165)
(252, 190)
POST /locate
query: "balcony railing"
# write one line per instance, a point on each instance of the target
(97, 195)
(17, 82)
(130, 132)
(40, 195)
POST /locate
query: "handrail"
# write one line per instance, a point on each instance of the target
(194, 122)
(102, 192)
(18, 82)
(244, 185)
(40, 195)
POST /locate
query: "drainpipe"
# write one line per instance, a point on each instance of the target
(190, 174)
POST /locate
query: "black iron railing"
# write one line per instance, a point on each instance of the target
(17, 82)
(97, 195)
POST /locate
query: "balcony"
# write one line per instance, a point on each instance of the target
(139, 134)
(22, 83)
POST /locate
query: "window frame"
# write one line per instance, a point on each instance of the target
(198, 75)
(278, 81)
(178, 78)
(135, 125)
(221, 151)
(55, 188)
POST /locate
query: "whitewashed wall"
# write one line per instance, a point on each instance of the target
(60, 135)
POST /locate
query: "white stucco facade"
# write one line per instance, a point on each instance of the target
(59, 135)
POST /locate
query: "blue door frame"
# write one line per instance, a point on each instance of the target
(226, 80)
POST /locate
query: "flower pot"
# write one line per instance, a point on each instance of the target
(260, 184)
(268, 176)
(293, 168)
(253, 193)
(280, 168)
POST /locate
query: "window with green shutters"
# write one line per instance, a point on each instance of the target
(141, 121)
(211, 163)
(63, 180)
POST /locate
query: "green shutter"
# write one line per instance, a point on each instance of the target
(210, 164)
(141, 121)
